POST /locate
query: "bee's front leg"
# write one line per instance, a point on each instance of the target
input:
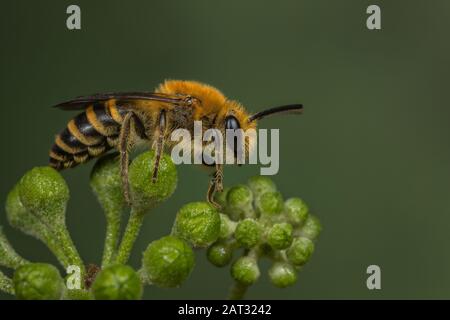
(215, 185)
(218, 178)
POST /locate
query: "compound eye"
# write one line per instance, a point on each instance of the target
(231, 123)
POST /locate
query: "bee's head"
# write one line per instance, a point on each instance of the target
(235, 117)
(218, 112)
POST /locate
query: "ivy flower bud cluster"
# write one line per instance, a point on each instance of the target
(258, 222)
(253, 219)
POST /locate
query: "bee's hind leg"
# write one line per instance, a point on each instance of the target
(124, 147)
(159, 143)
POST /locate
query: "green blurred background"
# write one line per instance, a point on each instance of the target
(370, 155)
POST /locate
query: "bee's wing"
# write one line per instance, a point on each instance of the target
(81, 103)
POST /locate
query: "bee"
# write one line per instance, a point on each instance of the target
(121, 121)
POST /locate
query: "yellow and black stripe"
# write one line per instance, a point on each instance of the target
(88, 135)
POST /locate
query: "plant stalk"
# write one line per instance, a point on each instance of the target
(129, 238)
(237, 291)
(112, 235)
(6, 284)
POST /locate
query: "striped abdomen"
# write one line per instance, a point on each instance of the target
(88, 135)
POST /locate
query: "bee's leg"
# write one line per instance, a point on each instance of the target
(215, 185)
(124, 146)
(218, 178)
(160, 130)
(210, 194)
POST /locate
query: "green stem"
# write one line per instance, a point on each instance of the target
(112, 235)
(58, 240)
(8, 256)
(129, 237)
(143, 276)
(6, 284)
(77, 295)
(55, 248)
(237, 291)
(69, 250)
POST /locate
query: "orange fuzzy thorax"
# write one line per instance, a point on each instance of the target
(213, 105)
(213, 102)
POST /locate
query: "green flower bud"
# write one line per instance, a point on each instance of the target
(198, 223)
(20, 218)
(282, 274)
(248, 233)
(38, 281)
(300, 251)
(312, 227)
(280, 236)
(296, 211)
(106, 182)
(8, 256)
(146, 194)
(117, 282)
(260, 185)
(44, 192)
(227, 227)
(245, 270)
(167, 262)
(219, 254)
(221, 197)
(269, 203)
(239, 202)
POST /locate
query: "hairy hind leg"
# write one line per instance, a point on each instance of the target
(160, 131)
(124, 148)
